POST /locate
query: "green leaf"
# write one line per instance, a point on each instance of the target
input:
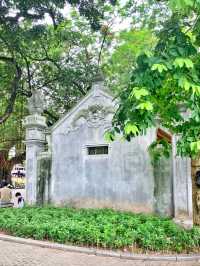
(189, 63)
(190, 35)
(184, 83)
(109, 136)
(159, 67)
(145, 106)
(148, 53)
(196, 89)
(189, 2)
(131, 129)
(138, 93)
(195, 146)
(198, 145)
(180, 62)
(181, 5)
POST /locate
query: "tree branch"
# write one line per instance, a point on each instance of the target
(28, 73)
(46, 83)
(6, 59)
(53, 17)
(13, 94)
(79, 87)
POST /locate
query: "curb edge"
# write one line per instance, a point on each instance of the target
(98, 252)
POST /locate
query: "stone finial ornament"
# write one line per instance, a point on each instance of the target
(36, 103)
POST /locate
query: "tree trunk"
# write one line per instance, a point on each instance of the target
(6, 164)
(195, 192)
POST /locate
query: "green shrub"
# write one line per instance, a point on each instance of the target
(102, 228)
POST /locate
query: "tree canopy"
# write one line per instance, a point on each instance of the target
(49, 46)
(28, 45)
(166, 81)
(129, 45)
(153, 65)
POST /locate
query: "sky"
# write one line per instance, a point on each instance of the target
(118, 25)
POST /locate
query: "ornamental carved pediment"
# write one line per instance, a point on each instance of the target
(94, 116)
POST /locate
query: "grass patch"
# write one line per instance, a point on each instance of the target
(100, 227)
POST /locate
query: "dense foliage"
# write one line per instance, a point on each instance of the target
(166, 81)
(101, 228)
(11, 137)
(51, 46)
(35, 54)
(120, 63)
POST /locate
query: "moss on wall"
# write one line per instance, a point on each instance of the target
(43, 180)
(163, 186)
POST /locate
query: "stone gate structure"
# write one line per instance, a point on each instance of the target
(72, 164)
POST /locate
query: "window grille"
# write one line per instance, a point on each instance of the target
(97, 150)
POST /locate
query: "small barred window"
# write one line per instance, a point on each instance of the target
(97, 150)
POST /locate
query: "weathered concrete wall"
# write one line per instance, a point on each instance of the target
(182, 188)
(163, 188)
(123, 179)
(43, 178)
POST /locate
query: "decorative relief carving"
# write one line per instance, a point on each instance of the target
(95, 116)
(35, 134)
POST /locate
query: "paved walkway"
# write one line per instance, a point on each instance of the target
(12, 254)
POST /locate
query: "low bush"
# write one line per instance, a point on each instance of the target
(102, 228)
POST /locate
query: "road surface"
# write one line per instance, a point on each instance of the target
(13, 254)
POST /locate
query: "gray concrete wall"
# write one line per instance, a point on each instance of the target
(123, 179)
(163, 187)
(43, 178)
(182, 184)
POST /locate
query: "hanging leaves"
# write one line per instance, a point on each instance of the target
(180, 62)
(139, 92)
(131, 129)
(165, 84)
(145, 106)
(159, 67)
(109, 136)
